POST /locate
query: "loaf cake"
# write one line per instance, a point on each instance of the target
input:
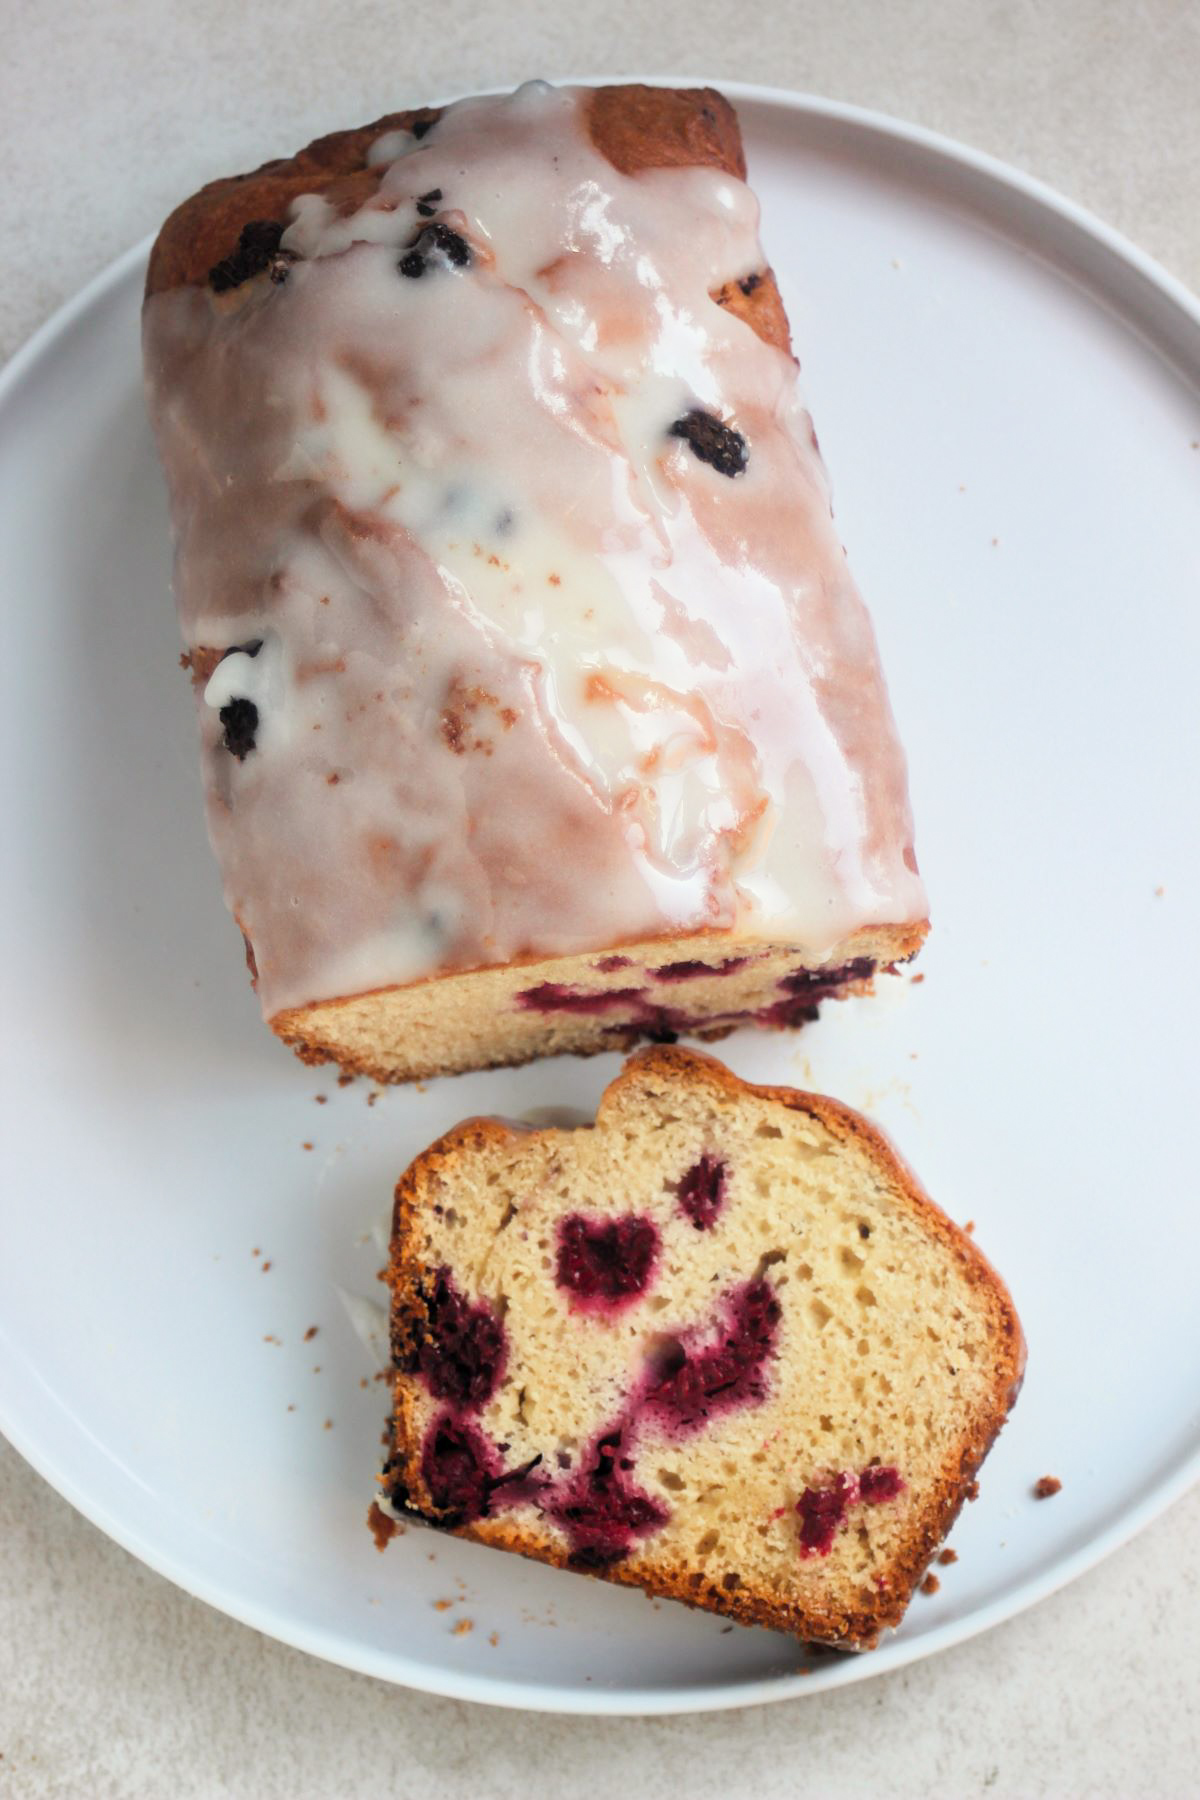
(539, 710)
(720, 1347)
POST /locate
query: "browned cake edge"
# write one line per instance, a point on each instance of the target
(855, 1629)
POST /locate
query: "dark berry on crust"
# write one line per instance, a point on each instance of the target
(427, 203)
(435, 246)
(712, 441)
(420, 126)
(461, 1349)
(257, 249)
(605, 1260)
(251, 648)
(240, 719)
(748, 283)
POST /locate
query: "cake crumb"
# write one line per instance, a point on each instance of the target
(291, 1407)
(972, 1490)
(930, 1585)
(1047, 1487)
(306, 1145)
(382, 1526)
(1159, 892)
(256, 1251)
(266, 1266)
(995, 543)
(948, 1556)
(372, 1097)
(345, 1080)
(916, 980)
(272, 1339)
(363, 1382)
(494, 1639)
(316, 1368)
(320, 1099)
(442, 1605)
(328, 1425)
(311, 1333)
(463, 1626)
(969, 1228)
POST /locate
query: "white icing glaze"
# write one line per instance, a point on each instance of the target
(534, 678)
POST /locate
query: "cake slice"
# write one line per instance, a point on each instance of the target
(539, 710)
(719, 1346)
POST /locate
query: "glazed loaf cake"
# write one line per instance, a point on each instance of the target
(539, 710)
(720, 1347)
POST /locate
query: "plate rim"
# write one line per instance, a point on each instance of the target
(396, 1666)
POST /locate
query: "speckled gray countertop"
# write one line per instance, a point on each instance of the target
(112, 1682)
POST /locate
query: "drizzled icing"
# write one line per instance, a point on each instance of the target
(534, 677)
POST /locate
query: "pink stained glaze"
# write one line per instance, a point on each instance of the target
(534, 675)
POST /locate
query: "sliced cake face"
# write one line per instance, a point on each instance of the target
(718, 1346)
(706, 986)
(520, 627)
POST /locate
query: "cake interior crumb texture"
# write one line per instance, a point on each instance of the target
(704, 985)
(719, 1346)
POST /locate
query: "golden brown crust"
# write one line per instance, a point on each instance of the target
(635, 127)
(207, 225)
(849, 1629)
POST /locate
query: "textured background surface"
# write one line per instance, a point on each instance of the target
(112, 1683)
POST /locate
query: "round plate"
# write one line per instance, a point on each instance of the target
(1007, 398)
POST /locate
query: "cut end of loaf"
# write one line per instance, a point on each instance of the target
(720, 1346)
(703, 986)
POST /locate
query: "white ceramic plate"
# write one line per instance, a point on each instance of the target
(1007, 396)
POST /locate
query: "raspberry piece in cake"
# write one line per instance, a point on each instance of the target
(702, 1192)
(605, 1262)
(459, 1351)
